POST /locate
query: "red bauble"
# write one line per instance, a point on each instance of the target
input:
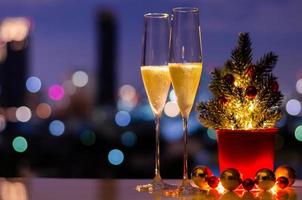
(251, 92)
(248, 184)
(251, 71)
(213, 181)
(275, 86)
(222, 100)
(282, 182)
(229, 78)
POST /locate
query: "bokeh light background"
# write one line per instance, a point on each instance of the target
(61, 130)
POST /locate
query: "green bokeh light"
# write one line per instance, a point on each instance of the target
(298, 133)
(212, 134)
(88, 138)
(20, 144)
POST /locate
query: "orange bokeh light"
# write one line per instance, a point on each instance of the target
(43, 110)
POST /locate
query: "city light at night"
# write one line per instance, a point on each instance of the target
(20, 144)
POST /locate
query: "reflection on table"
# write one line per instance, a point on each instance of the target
(96, 189)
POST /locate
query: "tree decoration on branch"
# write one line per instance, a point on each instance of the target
(245, 95)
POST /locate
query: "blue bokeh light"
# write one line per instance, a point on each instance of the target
(115, 157)
(128, 138)
(122, 118)
(172, 130)
(56, 128)
(211, 134)
(33, 84)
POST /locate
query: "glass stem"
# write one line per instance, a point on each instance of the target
(157, 153)
(185, 137)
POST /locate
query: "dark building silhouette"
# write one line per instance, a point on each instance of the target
(13, 73)
(106, 55)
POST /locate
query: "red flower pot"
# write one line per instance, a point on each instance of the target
(246, 150)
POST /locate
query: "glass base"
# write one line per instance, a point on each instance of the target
(157, 185)
(187, 189)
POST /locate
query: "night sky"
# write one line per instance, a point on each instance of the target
(64, 34)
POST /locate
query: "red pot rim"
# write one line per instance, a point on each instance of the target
(260, 131)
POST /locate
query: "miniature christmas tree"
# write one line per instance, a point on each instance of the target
(245, 95)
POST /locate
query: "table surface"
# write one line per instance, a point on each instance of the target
(113, 189)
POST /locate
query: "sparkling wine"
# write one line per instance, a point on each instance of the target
(185, 80)
(157, 83)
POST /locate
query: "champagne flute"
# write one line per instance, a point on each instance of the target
(185, 66)
(156, 78)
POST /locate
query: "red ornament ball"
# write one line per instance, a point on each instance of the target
(275, 86)
(282, 182)
(222, 100)
(251, 92)
(213, 181)
(251, 71)
(229, 78)
(248, 184)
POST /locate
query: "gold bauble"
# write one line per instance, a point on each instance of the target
(199, 176)
(287, 172)
(265, 179)
(230, 179)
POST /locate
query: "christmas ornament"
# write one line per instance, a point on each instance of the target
(251, 71)
(230, 179)
(229, 78)
(248, 184)
(213, 181)
(275, 86)
(199, 176)
(265, 179)
(251, 92)
(222, 100)
(282, 182)
(287, 172)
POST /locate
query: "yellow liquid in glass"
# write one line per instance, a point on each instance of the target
(185, 80)
(157, 83)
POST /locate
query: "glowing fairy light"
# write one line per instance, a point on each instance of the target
(220, 188)
(171, 109)
(56, 92)
(23, 114)
(80, 78)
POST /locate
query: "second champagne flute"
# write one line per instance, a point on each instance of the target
(156, 78)
(185, 68)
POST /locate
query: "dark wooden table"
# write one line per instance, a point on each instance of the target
(99, 189)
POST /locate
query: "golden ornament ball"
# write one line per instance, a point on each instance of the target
(199, 175)
(287, 172)
(265, 179)
(230, 179)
